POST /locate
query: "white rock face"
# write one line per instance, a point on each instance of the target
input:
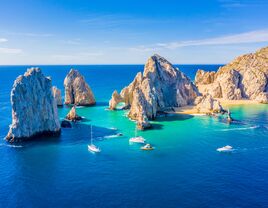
(34, 110)
(57, 95)
(243, 78)
(207, 104)
(160, 87)
(77, 91)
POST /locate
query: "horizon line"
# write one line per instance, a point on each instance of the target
(1, 65)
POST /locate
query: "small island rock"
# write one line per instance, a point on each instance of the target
(72, 115)
(66, 124)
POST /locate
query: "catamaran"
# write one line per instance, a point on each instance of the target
(137, 139)
(91, 146)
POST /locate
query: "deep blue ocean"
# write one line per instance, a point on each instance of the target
(184, 170)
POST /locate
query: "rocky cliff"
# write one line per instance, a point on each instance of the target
(34, 110)
(57, 95)
(160, 87)
(77, 91)
(243, 78)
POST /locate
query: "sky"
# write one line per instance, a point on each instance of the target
(35, 32)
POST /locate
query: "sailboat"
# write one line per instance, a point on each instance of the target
(137, 139)
(91, 146)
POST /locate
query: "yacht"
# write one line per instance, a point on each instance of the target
(227, 148)
(91, 147)
(137, 139)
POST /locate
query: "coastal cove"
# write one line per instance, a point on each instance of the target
(185, 168)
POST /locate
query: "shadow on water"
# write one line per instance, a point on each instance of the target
(155, 126)
(174, 117)
(79, 133)
(105, 104)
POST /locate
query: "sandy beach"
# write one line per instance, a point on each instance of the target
(192, 110)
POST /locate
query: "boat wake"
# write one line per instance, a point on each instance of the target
(111, 136)
(240, 129)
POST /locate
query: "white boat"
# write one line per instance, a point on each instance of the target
(147, 147)
(227, 148)
(137, 139)
(91, 147)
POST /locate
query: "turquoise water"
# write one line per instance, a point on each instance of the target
(184, 170)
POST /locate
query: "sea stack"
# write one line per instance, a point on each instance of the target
(161, 87)
(34, 110)
(57, 95)
(72, 115)
(243, 78)
(77, 91)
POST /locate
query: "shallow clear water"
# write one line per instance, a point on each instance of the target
(184, 170)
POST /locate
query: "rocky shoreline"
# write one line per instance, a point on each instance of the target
(161, 88)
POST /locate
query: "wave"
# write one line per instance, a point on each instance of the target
(240, 129)
(111, 136)
(11, 145)
(80, 106)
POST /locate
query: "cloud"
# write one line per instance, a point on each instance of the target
(76, 41)
(3, 40)
(29, 34)
(233, 4)
(10, 50)
(258, 36)
(114, 21)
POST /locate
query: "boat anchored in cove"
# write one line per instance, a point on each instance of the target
(91, 146)
(137, 139)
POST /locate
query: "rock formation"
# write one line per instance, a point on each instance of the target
(66, 124)
(116, 98)
(72, 115)
(244, 78)
(34, 110)
(57, 95)
(160, 87)
(207, 104)
(77, 91)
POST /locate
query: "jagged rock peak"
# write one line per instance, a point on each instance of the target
(159, 88)
(34, 110)
(77, 91)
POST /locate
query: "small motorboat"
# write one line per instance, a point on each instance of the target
(227, 148)
(147, 147)
(93, 148)
(138, 139)
(119, 134)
